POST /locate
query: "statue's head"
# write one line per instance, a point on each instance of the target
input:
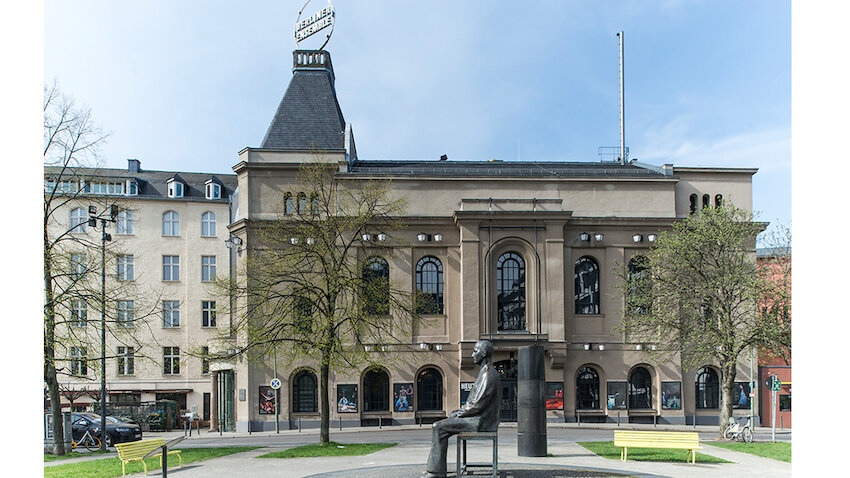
(483, 349)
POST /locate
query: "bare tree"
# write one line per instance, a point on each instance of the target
(315, 283)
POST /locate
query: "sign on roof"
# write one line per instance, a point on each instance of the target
(305, 27)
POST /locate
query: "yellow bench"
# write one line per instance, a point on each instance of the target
(136, 450)
(676, 440)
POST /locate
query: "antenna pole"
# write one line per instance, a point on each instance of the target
(622, 104)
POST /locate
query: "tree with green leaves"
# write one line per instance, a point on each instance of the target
(315, 285)
(699, 296)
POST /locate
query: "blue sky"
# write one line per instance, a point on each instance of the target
(186, 85)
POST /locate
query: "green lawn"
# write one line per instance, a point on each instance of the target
(329, 449)
(778, 451)
(606, 449)
(72, 454)
(111, 467)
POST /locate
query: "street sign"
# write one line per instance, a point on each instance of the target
(776, 386)
(275, 383)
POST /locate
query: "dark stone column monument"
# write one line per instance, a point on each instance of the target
(531, 410)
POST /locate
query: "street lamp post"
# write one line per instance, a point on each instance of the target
(104, 237)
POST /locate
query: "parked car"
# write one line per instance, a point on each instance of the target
(116, 431)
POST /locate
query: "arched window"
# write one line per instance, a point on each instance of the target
(693, 203)
(170, 224)
(78, 220)
(302, 203)
(707, 385)
(288, 204)
(706, 200)
(429, 284)
(376, 286)
(303, 312)
(718, 200)
(208, 224)
(587, 286)
(640, 388)
(315, 205)
(639, 286)
(305, 392)
(587, 389)
(429, 390)
(510, 290)
(376, 391)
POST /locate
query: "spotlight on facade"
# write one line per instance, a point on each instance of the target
(601, 347)
(637, 347)
(651, 237)
(367, 348)
(438, 347)
(422, 237)
(637, 238)
(653, 347)
(584, 236)
(293, 240)
(586, 346)
(366, 237)
(598, 237)
(382, 237)
(423, 346)
(438, 237)
(310, 241)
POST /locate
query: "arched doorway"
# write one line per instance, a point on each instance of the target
(508, 375)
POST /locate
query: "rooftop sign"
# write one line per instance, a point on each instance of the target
(306, 27)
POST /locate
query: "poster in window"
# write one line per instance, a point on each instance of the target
(616, 395)
(346, 398)
(784, 403)
(465, 388)
(266, 398)
(554, 395)
(741, 395)
(403, 397)
(671, 395)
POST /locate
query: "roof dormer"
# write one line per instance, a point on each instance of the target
(176, 186)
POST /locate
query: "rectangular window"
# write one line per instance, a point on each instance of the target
(785, 403)
(79, 365)
(78, 265)
(205, 360)
(132, 188)
(125, 398)
(125, 315)
(126, 360)
(208, 313)
(207, 268)
(125, 224)
(213, 191)
(79, 313)
(125, 267)
(171, 268)
(171, 360)
(170, 313)
(175, 189)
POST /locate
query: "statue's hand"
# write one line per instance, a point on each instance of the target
(454, 414)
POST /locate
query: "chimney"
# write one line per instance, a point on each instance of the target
(134, 165)
(444, 158)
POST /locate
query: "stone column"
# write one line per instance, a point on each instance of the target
(214, 401)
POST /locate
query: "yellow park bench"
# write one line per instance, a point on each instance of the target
(136, 450)
(638, 439)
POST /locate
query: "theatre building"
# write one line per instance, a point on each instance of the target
(516, 252)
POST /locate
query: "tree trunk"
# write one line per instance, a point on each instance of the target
(324, 429)
(727, 384)
(50, 356)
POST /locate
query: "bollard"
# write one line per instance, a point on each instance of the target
(618, 418)
(299, 425)
(780, 423)
(578, 418)
(655, 420)
(340, 423)
(380, 422)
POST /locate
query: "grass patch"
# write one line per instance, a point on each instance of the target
(606, 449)
(111, 467)
(778, 451)
(73, 454)
(329, 449)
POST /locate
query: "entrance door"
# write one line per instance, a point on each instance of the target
(226, 401)
(507, 374)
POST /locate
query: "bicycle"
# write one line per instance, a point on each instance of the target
(735, 431)
(91, 442)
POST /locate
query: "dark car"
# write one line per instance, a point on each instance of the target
(116, 431)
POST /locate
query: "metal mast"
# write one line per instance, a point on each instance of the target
(622, 104)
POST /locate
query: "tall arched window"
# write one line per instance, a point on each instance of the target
(510, 290)
(640, 388)
(170, 224)
(78, 220)
(707, 385)
(305, 392)
(208, 224)
(429, 390)
(693, 203)
(706, 200)
(376, 391)
(718, 200)
(587, 286)
(376, 286)
(303, 205)
(639, 286)
(288, 204)
(587, 389)
(429, 284)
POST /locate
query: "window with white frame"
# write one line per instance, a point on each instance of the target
(126, 314)
(125, 223)
(208, 224)
(175, 189)
(126, 359)
(171, 360)
(125, 267)
(79, 364)
(78, 266)
(113, 188)
(207, 313)
(207, 268)
(79, 220)
(132, 188)
(213, 190)
(171, 268)
(79, 313)
(170, 313)
(170, 224)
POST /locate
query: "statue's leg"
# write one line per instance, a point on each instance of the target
(441, 432)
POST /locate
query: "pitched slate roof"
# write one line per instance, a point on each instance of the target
(503, 168)
(309, 116)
